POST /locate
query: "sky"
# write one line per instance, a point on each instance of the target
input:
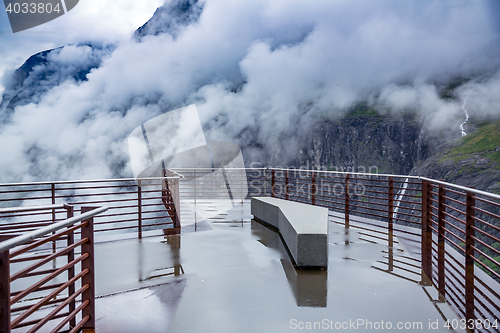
(91, 20)
(272, 67)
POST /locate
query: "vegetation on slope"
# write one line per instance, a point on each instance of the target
(482, 143)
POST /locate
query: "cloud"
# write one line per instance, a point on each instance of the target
(98, 21)
(259, 71)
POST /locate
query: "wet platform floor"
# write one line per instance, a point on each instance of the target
(234, 275)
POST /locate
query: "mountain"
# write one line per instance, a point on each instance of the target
(362, 139)
(48, 69)
(171, 18)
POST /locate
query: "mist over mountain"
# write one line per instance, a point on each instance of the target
(323, 83)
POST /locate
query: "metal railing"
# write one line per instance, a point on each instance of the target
(455, 228)
(136, 206)
(35, 274)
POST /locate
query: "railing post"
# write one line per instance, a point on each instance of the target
(139, 209)
(4, 290)
(390, 211)
(426, 240)
(53, 196)
(88, 263)
(176, 203)
(390, 230)
(273, 183)
(346, 204)
(71, 270)
(469, 256)
(265, 182)
(286, 185)
(441, 242)
(194, 185)
(313, 188)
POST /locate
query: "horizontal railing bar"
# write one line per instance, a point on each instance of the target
(43, 241)
(37, 273)
(454, 244)
(487, 287)
(47, 298)
(456, 192)
(116, 221)
(488, 201)
(119, 228)
(454, 209)
(484, 305)
(71, 316)
(486, 223)
(53, 256)
(62, 189)
(28, 237)
(41, 282)
(487, 234)
(346, 173)
(89, 181)
(77, 328)
(34, 266)
(483, 264)
(31, 209)
(407, 214)
(463, 188)
(34, 321)
(18, 227)
(26, 307)
(456, 236)
(33, 214)
(54, 312)
(453, 226)
(409, 202)
(83, 195)
(408, 221)
(489, 247)
(454, 218)
(17, 260)
(28, 191)
(458, 202)
(486, 212)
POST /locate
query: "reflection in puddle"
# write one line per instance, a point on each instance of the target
(175, 245)
(309, 287)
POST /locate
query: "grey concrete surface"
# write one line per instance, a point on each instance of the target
(244, 282)
(304, 228)
(232, 275)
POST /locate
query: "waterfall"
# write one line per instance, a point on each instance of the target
(466, 118)
(399, 198)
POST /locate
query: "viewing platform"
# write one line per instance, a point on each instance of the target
(204, 264)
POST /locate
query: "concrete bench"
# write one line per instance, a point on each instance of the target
(304, 228)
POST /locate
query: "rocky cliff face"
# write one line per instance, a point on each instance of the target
(364, 140)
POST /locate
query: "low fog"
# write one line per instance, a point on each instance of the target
(271, 68)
